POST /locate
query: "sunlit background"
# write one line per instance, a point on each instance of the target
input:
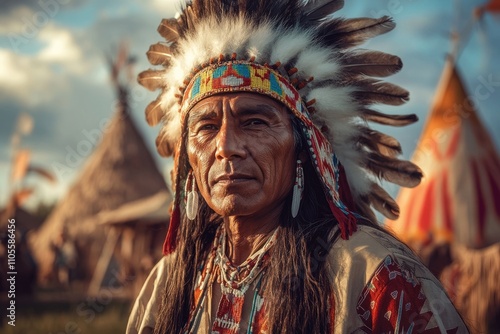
(54, 70)
(52, 66)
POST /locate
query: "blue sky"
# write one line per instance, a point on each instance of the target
(52, 67)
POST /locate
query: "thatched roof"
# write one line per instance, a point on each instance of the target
(147, 211)
(121, 170)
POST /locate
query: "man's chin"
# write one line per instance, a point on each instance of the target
(233, 205)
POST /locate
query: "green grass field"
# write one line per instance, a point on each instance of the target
(86, 316)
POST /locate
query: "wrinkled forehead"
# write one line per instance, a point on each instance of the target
(238, 104)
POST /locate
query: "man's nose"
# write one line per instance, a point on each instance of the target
(230, 142)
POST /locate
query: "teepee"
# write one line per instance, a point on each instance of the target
(453, 218)
(459, 198)
(120, 171)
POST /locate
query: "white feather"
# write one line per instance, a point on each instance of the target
(333, 102)
(358, 179)
(317, 62)
(260, 42)
(205, 38)
(172, 129)
(289, 44)
(238, 35)
(171, 118)
(342, 132)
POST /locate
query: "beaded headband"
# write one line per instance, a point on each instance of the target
(240, 76)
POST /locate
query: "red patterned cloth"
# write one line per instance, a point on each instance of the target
(378, 285)
(393, 302)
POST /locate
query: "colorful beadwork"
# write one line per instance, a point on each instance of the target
(241, 76)
(234, 283)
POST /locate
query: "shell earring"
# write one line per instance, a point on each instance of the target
(298, 188)
(192, 197)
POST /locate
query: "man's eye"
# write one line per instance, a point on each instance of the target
(256, 121)
(207, 127)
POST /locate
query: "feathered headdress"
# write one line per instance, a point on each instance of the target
(297, 53)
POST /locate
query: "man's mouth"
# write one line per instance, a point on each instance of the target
(233, 178)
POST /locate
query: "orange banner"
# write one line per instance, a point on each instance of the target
(20, 166)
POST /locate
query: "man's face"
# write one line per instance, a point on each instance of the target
(241, 149)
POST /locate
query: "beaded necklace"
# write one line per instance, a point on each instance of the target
(240, 277)
(234, 283)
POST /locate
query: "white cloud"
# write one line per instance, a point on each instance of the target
(167, 8)
(24, 77)
(60, 46)
(15, 22)
(11, 75)
(39, 77)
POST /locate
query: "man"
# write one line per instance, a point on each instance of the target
(265, 107)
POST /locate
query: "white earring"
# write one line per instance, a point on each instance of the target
(298, 188)
(192, 197)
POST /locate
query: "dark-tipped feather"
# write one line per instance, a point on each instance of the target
(348, 33)
(371, 63)
(367, 25)
(190, 17)
(169, 29)
(200, 8)
(379, 142)
(243, 5)
(163, 146)
(383, 202)
(151, 79)
(159, 54)
(363, 207)
(400, 172)
(154, 112)
(318, 9)
(393, 120)
(287, 12)
(375, 91)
